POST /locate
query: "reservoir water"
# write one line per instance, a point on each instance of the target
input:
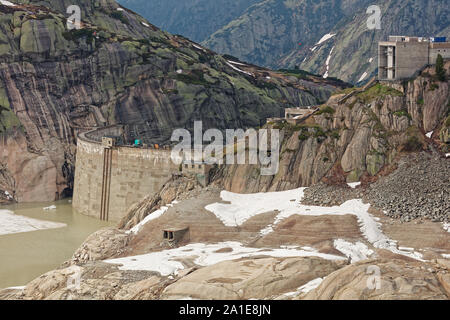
(58, 233)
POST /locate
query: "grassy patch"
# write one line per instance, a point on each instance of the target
(74, 35)
(120, 16)
(377, 91)
(402, 113)
(194, 77)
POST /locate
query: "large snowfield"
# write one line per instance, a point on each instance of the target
(238, 208)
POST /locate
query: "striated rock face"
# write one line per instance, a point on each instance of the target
(249, 278)
(398, 280)
(118, 68)
(353, 140)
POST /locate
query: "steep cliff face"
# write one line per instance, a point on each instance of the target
(269, 30)
(117, 69)
(355, 139)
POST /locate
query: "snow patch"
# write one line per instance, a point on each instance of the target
(120, 9)
(325, 38)
(305, 288)
(52, 207)
(11, 223)
(446, 226)
(328, 64)
(244, 206)
(239, 70)
(7, 3)
(355, 251)
(145, 24)
(152, 216)
(165, 262)
(445, 255)
(353, 185)
(429, 134)
(364, 75)
(370, 60)
(237, 63)
(179, 71)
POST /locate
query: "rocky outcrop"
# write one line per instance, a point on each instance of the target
(351, 140)
(118, 68)
(255, 278)
(396, 279)
(103, 244)
(250, 278)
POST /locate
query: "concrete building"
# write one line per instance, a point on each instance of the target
(294, 116)
(173, 235)
(401, 57)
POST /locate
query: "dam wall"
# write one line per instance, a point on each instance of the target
(108, 180)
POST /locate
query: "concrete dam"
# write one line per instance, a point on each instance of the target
(110, 176)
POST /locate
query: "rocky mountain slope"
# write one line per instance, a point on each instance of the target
(194, 19)
(268, 31)
(357, 135)
(352, 54)
(283, 34)
(117, 69)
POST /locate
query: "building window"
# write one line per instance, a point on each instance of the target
(199, 166)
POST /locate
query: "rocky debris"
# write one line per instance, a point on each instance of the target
(103, 244)
(398, 280)
(250, 278)
(322, 194)
(418, 188)
(5, 197)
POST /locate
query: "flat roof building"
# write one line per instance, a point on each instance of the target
(401, 57)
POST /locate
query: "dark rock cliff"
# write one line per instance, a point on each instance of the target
(117, 69)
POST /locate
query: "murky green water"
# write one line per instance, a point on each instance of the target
(25, 256)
